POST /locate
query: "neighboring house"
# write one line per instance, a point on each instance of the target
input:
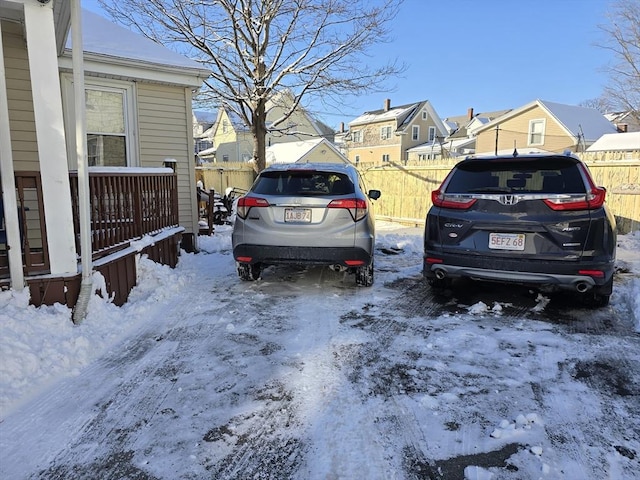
(138, 115)
(316, 150)
(386, 135)
(543, 126)
(625, 121)
(461, 140)
(202, 122)
(233, 140)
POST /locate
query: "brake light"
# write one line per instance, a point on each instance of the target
(246, 203)
(592, 200)
(356, 206)
(458, 202)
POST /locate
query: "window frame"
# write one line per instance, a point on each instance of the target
(432, 134)
(530, 133)
(128, 91)
(415, 133)
(385, 132)
(356, 136)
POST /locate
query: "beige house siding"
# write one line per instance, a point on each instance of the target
(21, 116)
(514, 132)
(297, 122)
(164, 129)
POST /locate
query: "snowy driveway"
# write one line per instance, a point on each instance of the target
(302, 375)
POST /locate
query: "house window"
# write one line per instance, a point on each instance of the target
(203, 145)
(357, 159)
(415, 132)
(385, 157)
(536, 132)
(109, 122)
(357, 136)
(107, 129)
(385, 132)
(225, 126)
(432, 134)
(225, 158)
(424, 115)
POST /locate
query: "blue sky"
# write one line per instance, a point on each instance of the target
(488, 54)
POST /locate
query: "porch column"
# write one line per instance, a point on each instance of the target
(47, 106)
(9, 183)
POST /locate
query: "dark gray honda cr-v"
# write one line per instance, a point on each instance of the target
(531, 219)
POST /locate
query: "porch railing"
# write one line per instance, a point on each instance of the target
(125, 206)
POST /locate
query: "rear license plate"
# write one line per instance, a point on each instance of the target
(297, 215)
(506, 241)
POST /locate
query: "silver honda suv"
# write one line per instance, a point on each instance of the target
(306, 214)
(536, 220)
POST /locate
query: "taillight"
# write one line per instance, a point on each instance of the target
(356, 206)
(592, 200)
(459, 202)
(245, 204)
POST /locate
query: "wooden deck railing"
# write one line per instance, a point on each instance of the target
(125, 206)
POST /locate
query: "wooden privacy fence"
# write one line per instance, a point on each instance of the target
(220, 176)
(406, 189)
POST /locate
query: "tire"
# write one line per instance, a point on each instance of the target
(599, 296)
(364, 275)
(596, 300)
(248, 272)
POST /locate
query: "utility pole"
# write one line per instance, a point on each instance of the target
(497, 131)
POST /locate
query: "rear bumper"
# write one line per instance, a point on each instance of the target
(556, 275)
(272, 255)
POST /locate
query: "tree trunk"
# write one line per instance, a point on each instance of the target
(259, 131)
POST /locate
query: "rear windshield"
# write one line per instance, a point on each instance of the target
(303, 183)
(517, 176)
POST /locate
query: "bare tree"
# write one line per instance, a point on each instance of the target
(320, 49)
(623, 32)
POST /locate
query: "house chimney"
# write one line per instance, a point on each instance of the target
(341, 127)
(387, 105)
(470, 113)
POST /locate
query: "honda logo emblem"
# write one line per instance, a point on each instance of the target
(508, 199)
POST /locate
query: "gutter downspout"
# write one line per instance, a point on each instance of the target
(86, 286)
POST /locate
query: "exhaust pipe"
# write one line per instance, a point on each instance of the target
(582, 287)
(440, 273)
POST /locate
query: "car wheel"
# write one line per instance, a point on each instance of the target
(596, 300)
(364, 275)
(439, 284)
(249, 272)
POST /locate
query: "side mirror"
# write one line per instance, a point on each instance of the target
(374, 194)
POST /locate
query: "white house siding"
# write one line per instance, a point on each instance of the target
(164, 128)
(20, 103)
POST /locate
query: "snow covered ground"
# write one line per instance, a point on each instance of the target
(303, 375)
